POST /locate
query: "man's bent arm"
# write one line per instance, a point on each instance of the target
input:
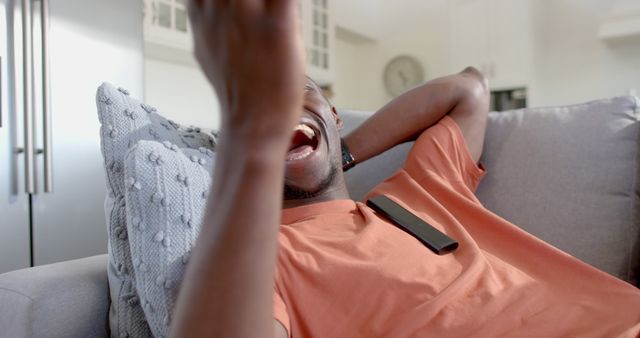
(465, 96)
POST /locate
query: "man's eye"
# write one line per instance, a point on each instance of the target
(308, 88)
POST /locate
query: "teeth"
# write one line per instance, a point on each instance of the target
(310, 133)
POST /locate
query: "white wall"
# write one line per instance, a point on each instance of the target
(361, 16)
(571, 64)
(354, 85)
(415, 27)
(181, 93)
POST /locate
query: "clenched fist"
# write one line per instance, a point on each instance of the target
(251, 52)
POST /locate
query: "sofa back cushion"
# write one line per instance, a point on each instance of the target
(569, 175)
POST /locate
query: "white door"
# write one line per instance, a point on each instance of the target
(509, 43)
(468, 28)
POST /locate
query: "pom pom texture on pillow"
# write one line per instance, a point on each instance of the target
(166, 196)
(125, 121)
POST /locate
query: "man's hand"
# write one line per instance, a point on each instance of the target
(251, 51)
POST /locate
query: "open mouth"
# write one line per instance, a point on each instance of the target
(304, 142)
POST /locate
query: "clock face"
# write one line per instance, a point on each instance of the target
(402, 73)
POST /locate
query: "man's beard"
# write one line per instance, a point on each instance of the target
(295, 193)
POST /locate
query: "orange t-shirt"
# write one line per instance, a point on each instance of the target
(343, 271)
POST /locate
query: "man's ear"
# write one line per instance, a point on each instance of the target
(339, 121)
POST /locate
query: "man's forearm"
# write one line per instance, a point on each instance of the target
(228, 288)
(407, 116)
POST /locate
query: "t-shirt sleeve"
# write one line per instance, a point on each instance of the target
(442, 151)
(280, 312)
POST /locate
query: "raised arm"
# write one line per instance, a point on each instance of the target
(251, 52)
(464, 96)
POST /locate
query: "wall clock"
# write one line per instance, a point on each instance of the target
(401, 74)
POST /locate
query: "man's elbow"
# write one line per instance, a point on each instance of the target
(479, 82)
(475, 86)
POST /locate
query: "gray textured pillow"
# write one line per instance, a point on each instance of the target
(166, 197)
(125, 121)
(569, 175)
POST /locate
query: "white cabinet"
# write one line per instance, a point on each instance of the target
(318, 30)
(494, 36)
(622, 23)
(168, 35)
(166, 23)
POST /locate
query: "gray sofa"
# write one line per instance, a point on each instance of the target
(568, 175)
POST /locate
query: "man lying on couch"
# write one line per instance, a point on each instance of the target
(323, 265)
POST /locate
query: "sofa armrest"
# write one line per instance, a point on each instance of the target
(68, 299)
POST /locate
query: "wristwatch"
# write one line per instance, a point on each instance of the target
(348, 161)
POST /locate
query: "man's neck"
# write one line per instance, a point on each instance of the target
(336, 192)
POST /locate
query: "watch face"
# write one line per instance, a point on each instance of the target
(402, 73)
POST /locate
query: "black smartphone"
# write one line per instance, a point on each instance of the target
(433, 238)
